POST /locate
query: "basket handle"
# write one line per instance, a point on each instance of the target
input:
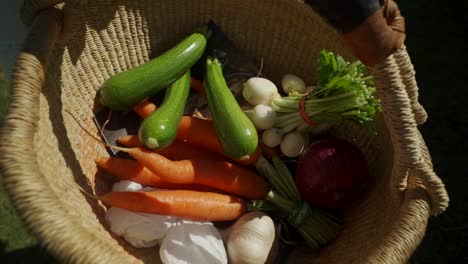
(410, 152)
(409, 80)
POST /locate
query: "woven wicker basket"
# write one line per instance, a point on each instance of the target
(72, 48)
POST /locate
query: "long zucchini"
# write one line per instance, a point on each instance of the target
(236, 133)
(160, 128)
(126, 89)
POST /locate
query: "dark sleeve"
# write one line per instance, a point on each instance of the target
(345, 15)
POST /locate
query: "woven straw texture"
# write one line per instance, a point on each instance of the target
(74, 47)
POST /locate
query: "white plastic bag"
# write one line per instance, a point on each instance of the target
(139, 229)
(193, 242)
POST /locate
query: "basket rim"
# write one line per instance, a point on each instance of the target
(20, 166)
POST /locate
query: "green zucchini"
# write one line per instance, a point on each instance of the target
(126, 89)
(236, 133)
(159, 130)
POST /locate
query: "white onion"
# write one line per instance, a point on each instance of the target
(272, 137)
(292, 83)
(263, 117)
(293, 144)
(259, 90)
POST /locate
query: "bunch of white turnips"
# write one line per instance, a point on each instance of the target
(260, 92)
(183, 241)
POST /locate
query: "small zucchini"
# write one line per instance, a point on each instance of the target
(159, 130)
(126, 89)
(236, 133)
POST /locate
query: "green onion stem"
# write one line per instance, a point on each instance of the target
(281, 118)
(278, 181)
(284, 173)
(268, 171)
(262, 205)
(281, 105)
(331, 98)
(288, 119)
(282, 203)
(317, 227)
(289, 128)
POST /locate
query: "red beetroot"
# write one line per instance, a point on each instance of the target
(331, 173)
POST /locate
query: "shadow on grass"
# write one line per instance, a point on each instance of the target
(34, 254)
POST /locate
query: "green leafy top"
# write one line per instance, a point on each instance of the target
(344, 91)
(336, 78)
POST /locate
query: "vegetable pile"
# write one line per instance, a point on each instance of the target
(260, 159)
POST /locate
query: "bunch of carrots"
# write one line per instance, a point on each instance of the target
(199, 181)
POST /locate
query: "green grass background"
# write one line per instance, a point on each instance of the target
(437, 45)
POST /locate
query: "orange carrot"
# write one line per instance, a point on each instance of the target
(194, 205)
(130, 141)
(217, 174)
(197, 85)
(202, 133)
(125, 169)
(145, 108)
(178, 150)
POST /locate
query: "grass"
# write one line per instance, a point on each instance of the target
(13, 235)
(437, 46)
(4, 94)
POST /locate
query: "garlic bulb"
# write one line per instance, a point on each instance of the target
(250, 238)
